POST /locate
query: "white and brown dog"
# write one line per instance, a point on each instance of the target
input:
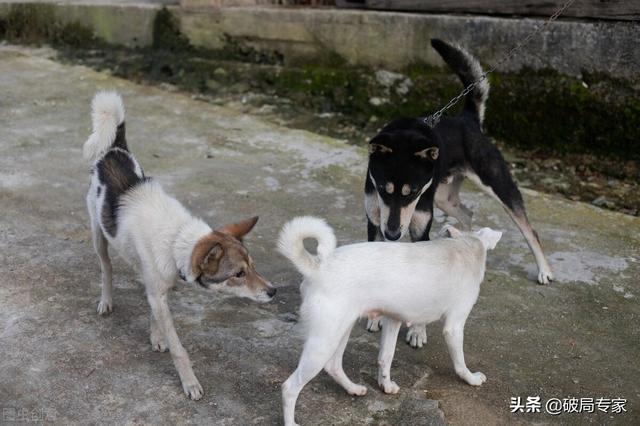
(148, 227)
(417, 282)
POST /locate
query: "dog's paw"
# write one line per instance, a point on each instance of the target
(476, 379)
(357, 390)
(545, 277)
(390, 387)
(373, 325)
(417, 336)
(105, 307)
(158, 343)
(193, 389)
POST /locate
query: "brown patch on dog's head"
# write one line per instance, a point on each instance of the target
(220, 258)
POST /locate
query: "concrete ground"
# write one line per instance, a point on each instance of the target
(578, 337)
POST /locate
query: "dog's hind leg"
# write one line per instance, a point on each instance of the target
(158, 342)
(100, 244)
(447, 199)
(388, 340)
(519, 216)
(318, 350)
(335, 370)
(160, 311)
(501, 186)
(454, 336)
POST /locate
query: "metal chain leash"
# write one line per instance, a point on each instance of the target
(434, 118)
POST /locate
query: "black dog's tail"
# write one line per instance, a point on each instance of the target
(469, 70)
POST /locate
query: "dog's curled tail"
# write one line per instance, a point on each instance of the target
(468, 70)
(291, 245)
(107, 115)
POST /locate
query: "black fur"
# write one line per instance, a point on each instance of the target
(457, 61)
(116, 172)
(121, 139)
(462, 147)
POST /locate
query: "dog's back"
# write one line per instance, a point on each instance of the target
(417, 282)
(114, 170)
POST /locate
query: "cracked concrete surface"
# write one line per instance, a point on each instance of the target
(578, 337)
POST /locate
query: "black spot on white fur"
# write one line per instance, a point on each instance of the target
(117, 172)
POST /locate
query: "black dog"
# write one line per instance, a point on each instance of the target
(411, 165)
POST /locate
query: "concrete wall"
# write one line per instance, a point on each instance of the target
(395, 40)
(380, 39)
(119, 22)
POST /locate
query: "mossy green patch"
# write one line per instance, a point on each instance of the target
(532, 109)
(37, 23)
(166, 33)
(542, 109)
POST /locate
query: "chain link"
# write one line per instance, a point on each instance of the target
(434, 118)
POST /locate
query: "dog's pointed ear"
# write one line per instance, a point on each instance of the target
(377, 147)
(449, 231)
(240, 229)
(489, 237)
(430, 154)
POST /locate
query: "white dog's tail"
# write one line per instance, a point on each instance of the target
(107, 115)
(291, 245)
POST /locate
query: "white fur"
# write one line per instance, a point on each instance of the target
(107, 112)
(154, 231)
(290, 243)
(481, 91)
(380, 278)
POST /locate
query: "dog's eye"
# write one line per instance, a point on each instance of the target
(240, 274)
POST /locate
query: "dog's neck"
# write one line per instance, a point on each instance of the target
(187, 237)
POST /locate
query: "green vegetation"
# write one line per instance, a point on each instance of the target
(37, 23)
(532, 109)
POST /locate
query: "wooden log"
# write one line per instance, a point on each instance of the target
(624, 10)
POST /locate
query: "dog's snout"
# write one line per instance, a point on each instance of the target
(271, 292)
(392, 235)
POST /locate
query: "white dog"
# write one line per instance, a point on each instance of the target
(405, 282)
(130, 212)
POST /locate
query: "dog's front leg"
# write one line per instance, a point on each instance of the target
(390, 330)
(421, 221)
(373, 234)
(454, 336)
(162, 315)
(417, 335)
(419, 229)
